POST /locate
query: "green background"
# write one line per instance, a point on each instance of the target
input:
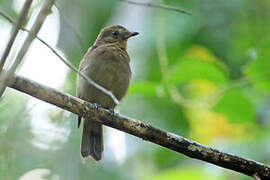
(204, 77)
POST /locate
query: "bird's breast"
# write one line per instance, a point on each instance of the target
(109, 67)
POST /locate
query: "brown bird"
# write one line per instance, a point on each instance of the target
(106, 63)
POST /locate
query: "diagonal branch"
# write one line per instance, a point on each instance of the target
(44, 12)
(137, 128)
(15, 30)
(160, 6)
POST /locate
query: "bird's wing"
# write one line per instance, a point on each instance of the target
(82, 64)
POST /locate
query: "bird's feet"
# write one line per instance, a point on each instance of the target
(97, 106)
(112, 112)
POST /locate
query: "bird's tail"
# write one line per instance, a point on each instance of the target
(92, 140)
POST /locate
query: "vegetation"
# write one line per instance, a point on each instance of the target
(205, 77)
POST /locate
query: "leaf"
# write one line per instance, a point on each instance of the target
(259, 69)
(259, 73)
(236, 107)
(191, 68)
(143, 88)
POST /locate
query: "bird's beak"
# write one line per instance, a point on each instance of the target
(131, 34)
(134, 34)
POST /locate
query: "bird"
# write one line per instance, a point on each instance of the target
(107, 63)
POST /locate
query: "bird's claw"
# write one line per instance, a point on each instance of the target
(97, 106)
(112, 112)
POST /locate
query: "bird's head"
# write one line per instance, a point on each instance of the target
(114, 34)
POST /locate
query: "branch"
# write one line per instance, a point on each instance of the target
(44, 12)
(137, 128)
(15, 31)
(67, 63)
(160, 6)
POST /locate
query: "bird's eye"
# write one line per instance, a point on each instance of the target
(115, 33)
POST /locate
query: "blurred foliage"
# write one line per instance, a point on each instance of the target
(205, 77)
(183, 173)
(245, 111)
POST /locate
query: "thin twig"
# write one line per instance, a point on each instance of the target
(15, 31)
(2, 13)
(44, 12)
(89, 80)
(160, 6)
(137, 128)
(213, 98)
(237, 83)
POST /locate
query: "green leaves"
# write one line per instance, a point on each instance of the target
(201, 64)
(189, 69)
(259, 74)
(221, 42)
(237, 107)
(143, 88)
